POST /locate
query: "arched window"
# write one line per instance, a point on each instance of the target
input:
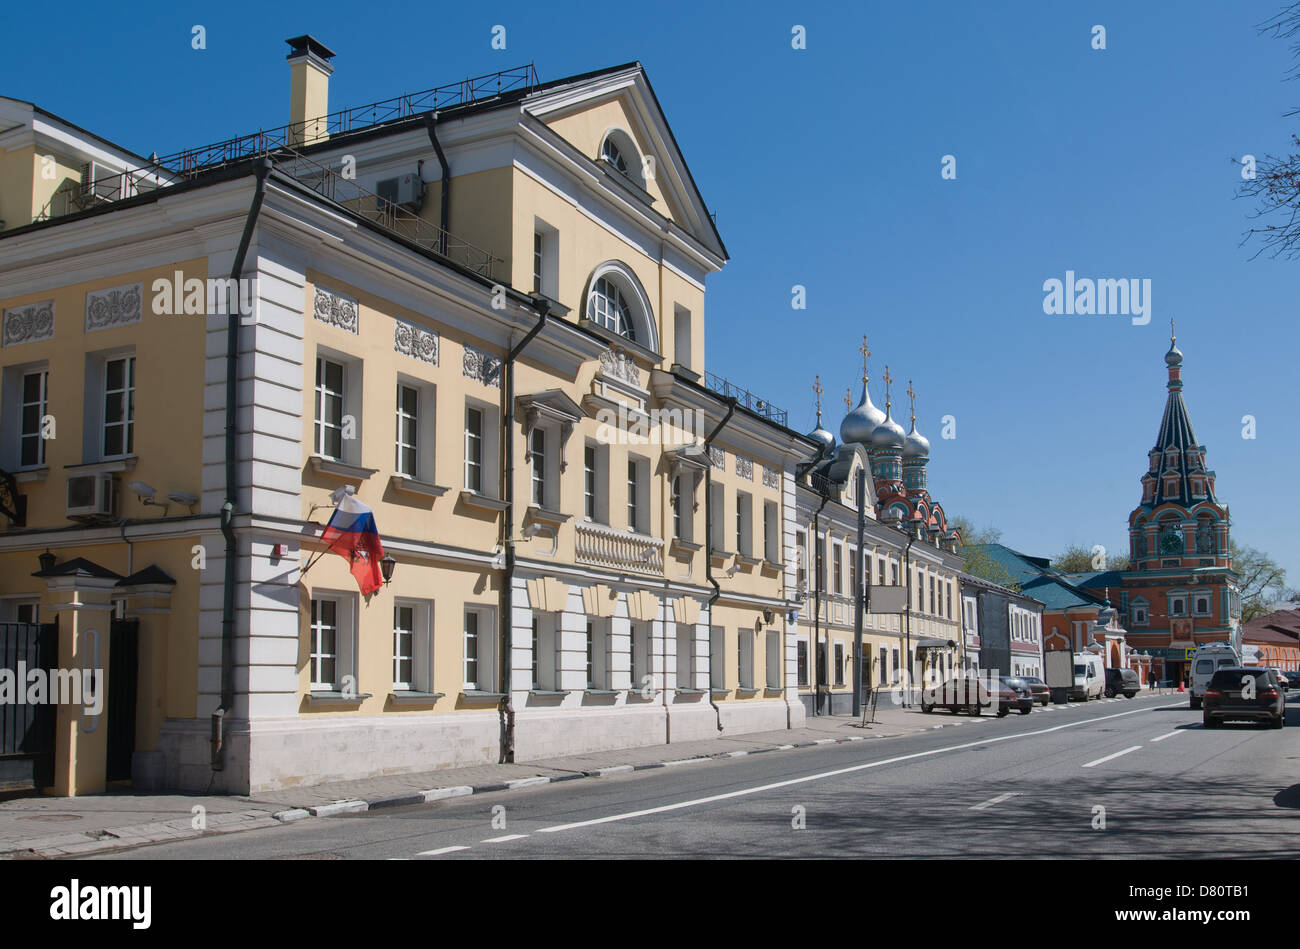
(617, 303)
(614, 155)
(607, 306)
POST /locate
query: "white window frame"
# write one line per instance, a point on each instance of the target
(485, 670)
(546, 652)
(421, 634)
(744, 524)
(489, 485)
(426, 395)
(597, 665)
(638, 494)
(12, 402)
(745, 658)
(546, 268)
(345, 641)
(595, 482)
(639, 662)
(349, 398)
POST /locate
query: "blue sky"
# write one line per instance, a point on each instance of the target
(823, 166)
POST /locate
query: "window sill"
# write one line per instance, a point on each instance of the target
(474, 695)
(336, 698)
(769, 690)
(600, 691)
(24, 475)
(690, 691)
(746, 693)
(773, 566)
(747, 563)
(719, 691)
(482, 502)
(720, 557)
(111, 465)
(405, 697)
(548, 692)
(622, 342)
(411, 486)
(679, 547)
(552, 519)
(339, 469)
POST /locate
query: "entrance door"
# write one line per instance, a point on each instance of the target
(27, 730)
(123, 672)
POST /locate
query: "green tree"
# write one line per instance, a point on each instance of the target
(1262, 581)
(976, 560)
(1079, 559)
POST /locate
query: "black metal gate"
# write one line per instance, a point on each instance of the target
(123, 672)
(27, 730)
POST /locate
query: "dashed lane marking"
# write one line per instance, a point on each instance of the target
(1093, 764)
(439, 852)
(995, 800)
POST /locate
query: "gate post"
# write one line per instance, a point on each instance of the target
(83, 603)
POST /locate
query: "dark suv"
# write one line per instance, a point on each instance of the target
(1123, 681)
(1238, 693)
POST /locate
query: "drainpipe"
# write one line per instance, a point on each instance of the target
(444, 210)
(708, 545)
(543, 308)
(907, 696)
(233, 319)
(817, 608)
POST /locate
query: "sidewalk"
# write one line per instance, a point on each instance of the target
(35, 827)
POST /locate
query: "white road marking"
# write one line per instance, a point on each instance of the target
(1169, 735)
(501, 840)
(1093, 764)
(995, 800)
(831, 774)
(439, 852)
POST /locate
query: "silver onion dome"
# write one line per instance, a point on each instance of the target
(888, 434)
(823, 438)
(860, 424)
(1175, 356)
(916, 445)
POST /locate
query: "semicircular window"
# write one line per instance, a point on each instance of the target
(607, 306)
(612, 154)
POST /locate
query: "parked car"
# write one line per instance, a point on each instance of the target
(1287, 679)
(1240, 693)
(1122, 681)
(1042, 694)
(1024, 701)
(969, 694)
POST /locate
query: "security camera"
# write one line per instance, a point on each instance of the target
(143, 491)
(183, 498)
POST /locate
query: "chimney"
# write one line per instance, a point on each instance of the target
(309, 90)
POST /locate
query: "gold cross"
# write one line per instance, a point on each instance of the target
(888, 380)
(848, 399)
(866, 354)
(1172, 337)
(817, 387)
(912, 396)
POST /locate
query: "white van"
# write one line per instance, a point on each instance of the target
(1205, 662)
(1089, 677)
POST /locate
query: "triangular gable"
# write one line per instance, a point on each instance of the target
(579, 111)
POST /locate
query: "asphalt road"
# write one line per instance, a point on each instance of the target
(1124, 778)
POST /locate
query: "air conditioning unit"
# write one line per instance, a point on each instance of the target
(99, 183)
(406, 190)
(92, 496)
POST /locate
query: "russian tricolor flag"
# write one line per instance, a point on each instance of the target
(351, 533)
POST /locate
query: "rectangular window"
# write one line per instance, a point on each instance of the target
(591, 655)
(119, 407)
(837, 567)
(773, 659)
(895, 667)
(853, 572)
(677, 505)
(802, 654)
(324, 644)
(329, 408)
(717, 531)
(537, 262)
(638, 494)
(948, 598)
(472, 657)
(801, 543)
(408, 414)
(640, 654)
(589, 481)
(771, 533)
(821, 562)
(473, 449)
(633, 501)
(539, 466)
(884, 666)
(34, 408)
(403, 646)
(535, 644)
(744, 524)
(881, 572)
(745, 657)
(717, 672)
(893, 573)
(685, 656)
(682, 337)
(839, 664)
(932, 609)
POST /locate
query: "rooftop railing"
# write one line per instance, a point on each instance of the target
(746, 399)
